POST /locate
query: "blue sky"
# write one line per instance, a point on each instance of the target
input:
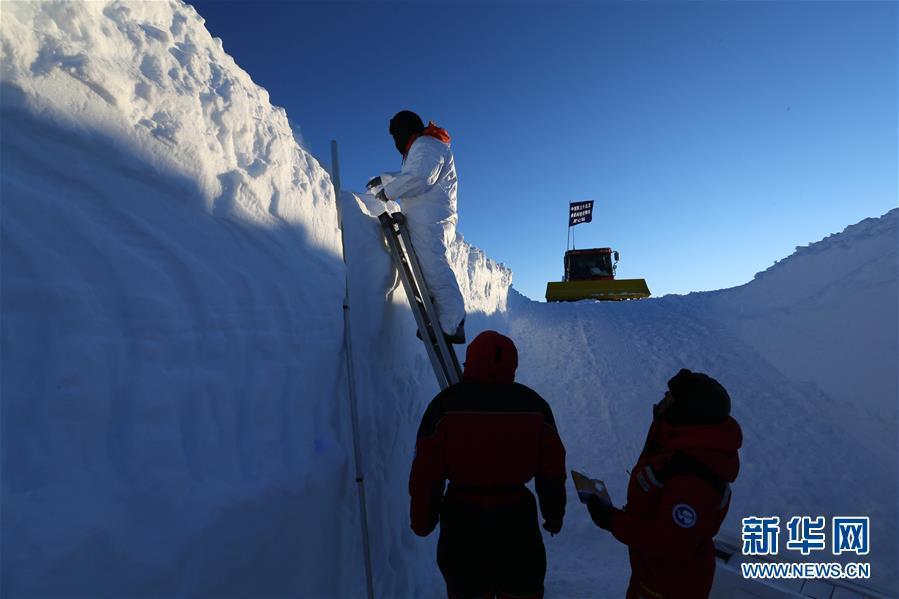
(714, 137)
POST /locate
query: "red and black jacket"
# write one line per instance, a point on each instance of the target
(677, 498)
(488, 439)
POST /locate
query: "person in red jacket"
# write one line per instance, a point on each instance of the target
(488, 436)
(679, 491)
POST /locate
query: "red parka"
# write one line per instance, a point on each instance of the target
(488, 436)
(677, 498)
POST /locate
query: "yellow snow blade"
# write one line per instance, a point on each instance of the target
(604, 290)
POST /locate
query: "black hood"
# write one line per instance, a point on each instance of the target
(403, 126)
(698, 399)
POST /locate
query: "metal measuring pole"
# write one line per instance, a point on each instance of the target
(351, 379)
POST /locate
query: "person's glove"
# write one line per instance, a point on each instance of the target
(552, 528)
(373, 182)
(601, 512)
(382, 196)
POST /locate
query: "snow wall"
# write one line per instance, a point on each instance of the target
(174, 401)
(174, 406)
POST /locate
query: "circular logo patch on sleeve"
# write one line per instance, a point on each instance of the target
(684, 516)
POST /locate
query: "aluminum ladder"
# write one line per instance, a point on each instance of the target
(442, 355)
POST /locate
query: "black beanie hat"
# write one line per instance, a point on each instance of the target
(403, 126)
(698, 399)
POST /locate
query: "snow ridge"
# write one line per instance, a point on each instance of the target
(150, 76)
(833, 258)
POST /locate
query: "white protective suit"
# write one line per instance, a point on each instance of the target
(426, 189)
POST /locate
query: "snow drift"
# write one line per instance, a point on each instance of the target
(174, 416)
(808, 352)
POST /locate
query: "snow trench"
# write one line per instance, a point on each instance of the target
(174, 398)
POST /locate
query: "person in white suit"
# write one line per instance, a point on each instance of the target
(426, 188)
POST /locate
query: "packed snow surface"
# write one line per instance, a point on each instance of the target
(174, 398)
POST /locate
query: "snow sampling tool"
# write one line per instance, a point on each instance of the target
(590, 273)
(440, 352)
